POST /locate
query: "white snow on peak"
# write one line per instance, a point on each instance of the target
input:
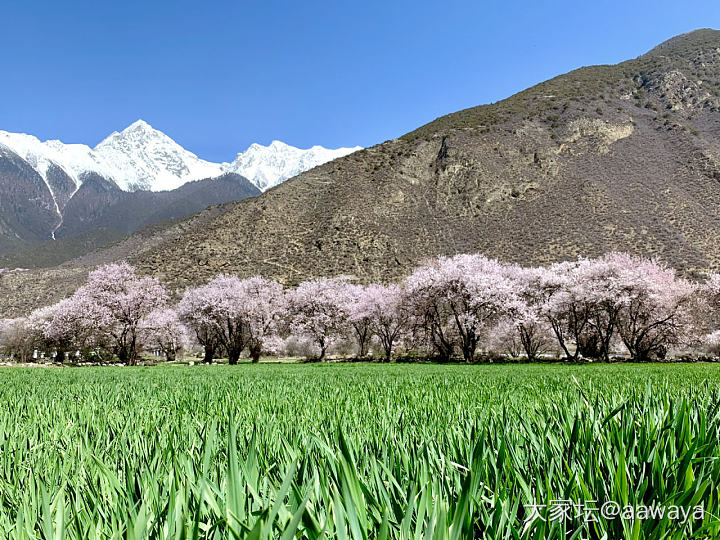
(141, 157)
(268, 166)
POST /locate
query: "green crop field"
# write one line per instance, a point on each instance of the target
(356, 450)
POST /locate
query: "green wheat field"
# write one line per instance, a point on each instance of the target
(355, 451)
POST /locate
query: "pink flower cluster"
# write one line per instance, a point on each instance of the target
(447, 307)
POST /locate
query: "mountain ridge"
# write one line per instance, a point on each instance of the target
(604, 158)
(40, 197)
(141, 157)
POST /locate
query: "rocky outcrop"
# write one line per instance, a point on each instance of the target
(593, 161)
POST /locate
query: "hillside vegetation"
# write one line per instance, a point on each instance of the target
(604, 158)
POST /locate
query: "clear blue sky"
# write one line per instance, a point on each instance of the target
(219, 75)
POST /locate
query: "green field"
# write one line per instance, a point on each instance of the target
(355, 450)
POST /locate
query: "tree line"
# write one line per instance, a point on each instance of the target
(448, 308)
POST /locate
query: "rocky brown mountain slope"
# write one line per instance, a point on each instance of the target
(623, 157)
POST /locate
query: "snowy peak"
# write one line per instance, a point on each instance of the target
(268, 166)
(141, 157)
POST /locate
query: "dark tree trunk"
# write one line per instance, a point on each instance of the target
(387, 346)
(443, 347)
(529, 344)
(209, 354)
(323, 350)
(170, 355)
(444, 352)
(129, 352)
(255, 351)
(362, 333)
(233, 356)
(589, 346)
(469, 348)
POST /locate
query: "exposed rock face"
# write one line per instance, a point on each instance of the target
(27, 210)
(604, 158)
(600, 133)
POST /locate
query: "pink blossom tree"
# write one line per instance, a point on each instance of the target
(77, 323)
(39, 326)
(565, 308)
(263, 305)
(359, 317)
(163, 330)
(599, 284)
(588, 302)
(656, 307)
(118, 300)
(707, 317)
(196, 311)
(527, 325)
(16, 341)
(233, 314)
(384, 309)
(455, 300)
(318, 311)
(224, 294)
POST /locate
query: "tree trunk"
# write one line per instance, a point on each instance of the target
(131, 353)
(444, 348)
(362, 333)
(209, 354)
(233, 356)
(444, 354)
(526, 338)
(170, 355)
(469, 350)
(255, 351)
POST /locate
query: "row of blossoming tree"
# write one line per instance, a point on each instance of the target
(447, 308)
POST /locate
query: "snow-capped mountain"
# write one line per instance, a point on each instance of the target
(143, 158)
(268, 166)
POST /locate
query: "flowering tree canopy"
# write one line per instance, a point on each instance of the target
(590, 307)
(119, 300)
(196, 311)
(106, 311)
(527, 327)
(16, 339)
(655, 306)
(163, 330)
(318, 311)
(455, 300)
(358, 316)
(263, 304)
(233, 314)
(384, 310)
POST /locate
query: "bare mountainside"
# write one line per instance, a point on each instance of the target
(623, 157)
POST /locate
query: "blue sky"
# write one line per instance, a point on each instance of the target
(218, 75)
